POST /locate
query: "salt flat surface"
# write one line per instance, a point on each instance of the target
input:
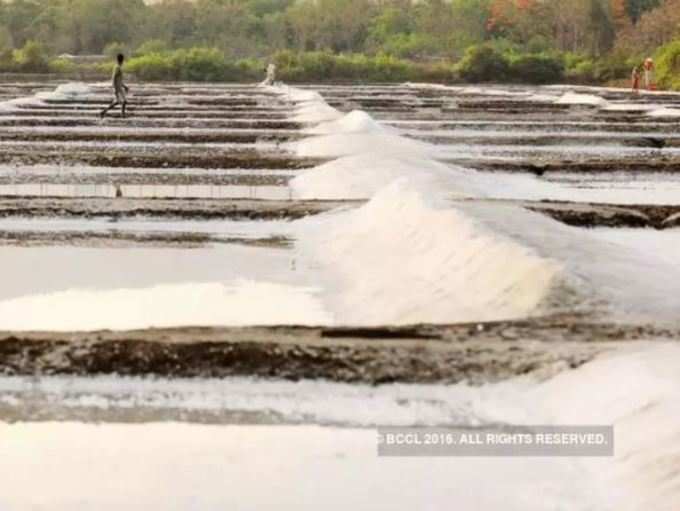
(43, 270)
(224, 228)
(179, 466)
(194, 191)
(663, 245)
(238, 303)
(61, 170)
(174, 465)
(612, 188)
(410, 254)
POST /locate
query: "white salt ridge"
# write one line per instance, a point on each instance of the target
(170, 305)
(317, 401)
(402, 259)
(345, 144)
(432, 86)
(310, 106)
(357, 133)
(357, 121)
(466, 89)
(315, 112)
(652, 110)
(620, 281)
(628, 107)
(15, 104)
(68, 91)
(542, 98)
(638, 391)
(665, 112)
(572, 98)
(410, 256)
(362, 176)
(488, 91)
(450, 261)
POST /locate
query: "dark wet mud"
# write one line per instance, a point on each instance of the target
(206, 209)
(476, 353)
(120, 239)
(157, 158)
(603, 215)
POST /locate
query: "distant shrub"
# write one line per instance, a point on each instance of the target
(194, 64)
(32, 58)
(246, 70)
(537, 69)
(443, 72)
(111, 50)
(390, 69)
(324, 66)
(409, 46)
(613, 67)
(483, 64)
(152, 46)
(539, 44)
(7, 62)
(582, 72)
(579, 68)
(317, 65)
(210, 64)
(200, 64)
(153, 67)
(667, 64)
(62, 66)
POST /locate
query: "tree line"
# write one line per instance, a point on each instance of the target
(592, 39)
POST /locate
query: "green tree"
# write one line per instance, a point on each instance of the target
(636, 8)
(470, 23)
(32, 57)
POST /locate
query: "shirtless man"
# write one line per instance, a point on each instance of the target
(635, 80)
(120, 90)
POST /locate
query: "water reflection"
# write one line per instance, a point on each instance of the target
(148, 191)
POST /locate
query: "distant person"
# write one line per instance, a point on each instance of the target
(649, 74)
(635, 80)
(270, 77)
(120, 90)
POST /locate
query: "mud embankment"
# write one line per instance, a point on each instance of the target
(476, 353)
(205, 209)
(160, 158)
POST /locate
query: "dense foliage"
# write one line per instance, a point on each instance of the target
(534, 41)
(668, 65)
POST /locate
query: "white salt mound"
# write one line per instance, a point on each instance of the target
(315, 112)
(542, 98)
(665, 112)
(346, 144)
(572, 98)
(638, 391)
(357, 133)
(362, 176)
(357, 121)
(13, 105)
(310, 105)
(67, 91)
(403, 258)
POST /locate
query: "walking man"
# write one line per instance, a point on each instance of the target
(120, 90)
(635, 80)
(649, 74)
